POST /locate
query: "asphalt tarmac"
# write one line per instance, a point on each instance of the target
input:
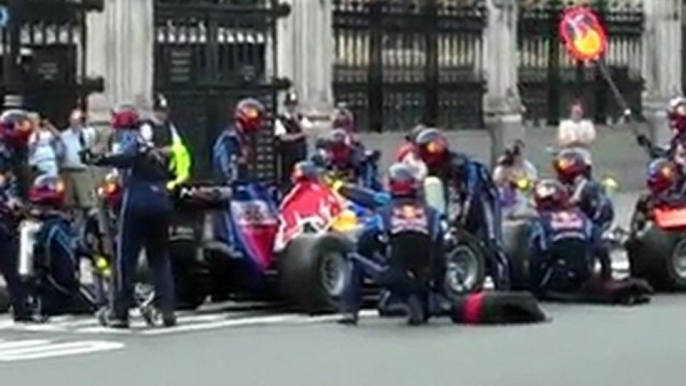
(580, 345)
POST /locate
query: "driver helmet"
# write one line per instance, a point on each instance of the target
(550, 195)
(569, 165)
(304, 171)
(249, 116)
(676, 114)
(432, 146)
(340, 149)
(402, 181)
(125, 118)
(47, 191)
(662, 175)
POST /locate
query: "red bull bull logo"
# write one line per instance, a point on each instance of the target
(582, 34)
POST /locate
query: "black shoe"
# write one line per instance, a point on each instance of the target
(168, 319)
(416, 311)
(349, 319)
(108, 319)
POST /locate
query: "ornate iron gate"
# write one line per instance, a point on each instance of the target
(208, 55)
(402, 62)
(43, 48)
(550, 80)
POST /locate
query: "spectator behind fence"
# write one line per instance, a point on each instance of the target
(77, 176)
(45, 148)
(577, 132)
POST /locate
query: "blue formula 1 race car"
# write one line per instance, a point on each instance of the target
(291, 252)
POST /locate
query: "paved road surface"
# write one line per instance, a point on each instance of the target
(609, 346)
(582, 345)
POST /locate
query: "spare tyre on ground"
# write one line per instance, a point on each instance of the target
(659, 256)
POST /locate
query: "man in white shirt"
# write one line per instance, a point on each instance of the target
(44, 147)
(577, 132)
(77, 176)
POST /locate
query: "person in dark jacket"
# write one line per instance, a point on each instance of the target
(469, 185)
(145, 216)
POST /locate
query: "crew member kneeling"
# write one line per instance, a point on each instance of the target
(565, 243)
(400, 250)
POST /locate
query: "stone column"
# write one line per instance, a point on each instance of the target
(661, 62)
(502, 103)
(305, 53)
(120, 49)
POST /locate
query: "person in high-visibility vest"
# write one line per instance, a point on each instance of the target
(160, 132)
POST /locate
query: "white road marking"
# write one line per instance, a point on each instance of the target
(198, 322)
(254, 321)
(42, 349)
(21, 344)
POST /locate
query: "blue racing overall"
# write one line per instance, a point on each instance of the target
(227, 156)
(383, 254)
(590, 197)
(565, 245)
(143, 221)
(9, 258)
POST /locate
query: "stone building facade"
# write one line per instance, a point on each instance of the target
(121, 42)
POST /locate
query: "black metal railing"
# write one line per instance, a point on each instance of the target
(399, 63)
(550, 79)
(44, 55)
(210, 54)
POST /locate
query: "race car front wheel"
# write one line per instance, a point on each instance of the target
(313, 272)
(659, 256)
(465, 266)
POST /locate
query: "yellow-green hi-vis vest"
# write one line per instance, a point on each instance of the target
(180, 164)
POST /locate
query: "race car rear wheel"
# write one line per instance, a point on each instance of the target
(191, 276)
(465, 267)
(516, 243)
(659, 256)
(313, 272)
